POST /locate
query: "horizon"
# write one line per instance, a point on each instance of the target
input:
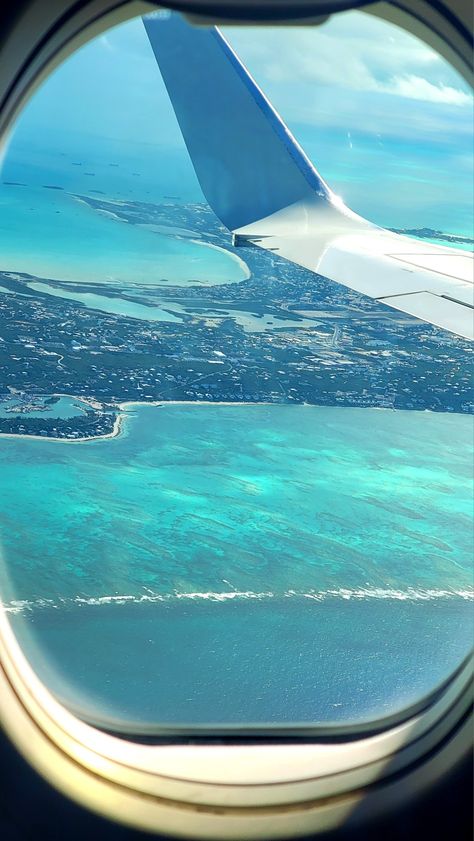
(404, 136)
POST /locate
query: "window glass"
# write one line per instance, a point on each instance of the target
(233, 491)
(387, 122)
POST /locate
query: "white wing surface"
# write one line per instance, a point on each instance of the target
(264, 189)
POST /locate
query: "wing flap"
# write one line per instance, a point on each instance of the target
(431, 283)
(451, 315)
(452, 263)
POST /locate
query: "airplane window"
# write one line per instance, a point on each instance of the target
(236, 376)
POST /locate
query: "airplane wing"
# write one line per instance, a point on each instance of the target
(266, 191)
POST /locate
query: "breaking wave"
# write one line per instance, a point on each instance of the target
(410, 594)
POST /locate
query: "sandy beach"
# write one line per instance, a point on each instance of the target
(118, 425)
(123, 408)
(235, 257)
(115, 432)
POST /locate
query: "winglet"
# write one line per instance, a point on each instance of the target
(247, 161)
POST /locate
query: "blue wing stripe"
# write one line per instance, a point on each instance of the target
(247, 161)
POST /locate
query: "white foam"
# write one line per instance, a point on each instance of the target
(364, 593)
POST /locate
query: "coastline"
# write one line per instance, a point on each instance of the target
(117, 430)
(122, 414)
(170, 231)
(243, 265)
(123, 407)
(198, 403)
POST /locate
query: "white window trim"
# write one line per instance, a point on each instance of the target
(253, 790)
(221, 791)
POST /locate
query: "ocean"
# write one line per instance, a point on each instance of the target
(50, 234)
(47, 232)
(223, 564)
(242, 564)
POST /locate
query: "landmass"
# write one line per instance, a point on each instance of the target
(283, 335)
(431, 233)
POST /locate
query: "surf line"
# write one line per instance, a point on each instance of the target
(411, 594)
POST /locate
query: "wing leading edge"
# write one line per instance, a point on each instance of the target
(264, 189)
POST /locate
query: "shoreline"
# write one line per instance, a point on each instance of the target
(242, 264)
(117, 430)
(122, 414)
(170, 231)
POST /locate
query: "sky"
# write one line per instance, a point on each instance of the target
(384, 119)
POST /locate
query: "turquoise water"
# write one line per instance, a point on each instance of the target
(132, 309)
(6, 291)
(229, 564)
(463, 246)
(116, 306)
(173, 312)
(259, 323)
(65, 407)
(199, 512)
(264, 498)
(410, 182)
(48, 233)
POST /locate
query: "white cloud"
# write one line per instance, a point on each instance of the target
(353, 52)
(416, 87)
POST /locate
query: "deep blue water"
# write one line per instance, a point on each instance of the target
(269, 661)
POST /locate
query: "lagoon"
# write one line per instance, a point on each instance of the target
(279, 497)
(50, 234)
(64, 407)
(106, 303)
(237, 534)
